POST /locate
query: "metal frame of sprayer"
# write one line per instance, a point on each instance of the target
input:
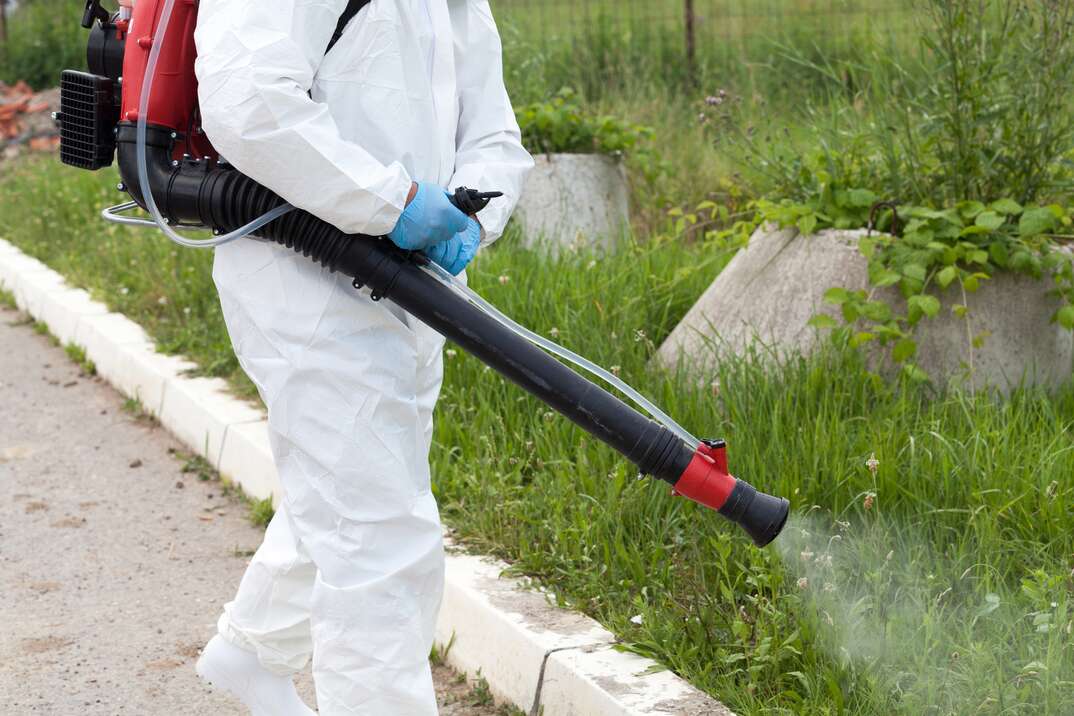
(123, 108)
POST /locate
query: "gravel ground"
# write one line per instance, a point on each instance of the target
(114, 562)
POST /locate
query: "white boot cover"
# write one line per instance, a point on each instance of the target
(238, 672)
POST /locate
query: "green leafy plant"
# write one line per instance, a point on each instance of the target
(561, 124)
(957, 248)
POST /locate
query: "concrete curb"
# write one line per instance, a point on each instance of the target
(545, 660)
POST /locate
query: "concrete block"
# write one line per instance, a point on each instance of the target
(61, 310)
(199, 410)
(574, 199)
(33, 287)
(139, 372)
(107, 340)
(246, 460)
(109, 329)
(11, 267)
(766, 295)
(604, 682)
(14, 266)
(505, 630)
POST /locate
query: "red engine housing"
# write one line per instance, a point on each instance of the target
(174, 99)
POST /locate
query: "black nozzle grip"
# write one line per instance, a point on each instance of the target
(762, 516)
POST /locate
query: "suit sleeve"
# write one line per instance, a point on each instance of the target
(489, 152)
(256, 64)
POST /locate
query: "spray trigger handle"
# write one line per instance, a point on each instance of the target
(471, 201)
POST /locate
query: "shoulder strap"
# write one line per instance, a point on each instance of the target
(353, 6)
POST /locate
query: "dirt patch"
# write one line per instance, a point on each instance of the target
(458, 696)
(70, 522)
(43, 587)
(164, 664)
(45, 644)
(35, 506)
(16, 452)
(190, 650)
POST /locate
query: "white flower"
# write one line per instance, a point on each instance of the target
(637, 619)
(451, 353)
(124, 290)
(163, 301)
(872, 463)
(803, 583)
(504, 278)
(553, 331)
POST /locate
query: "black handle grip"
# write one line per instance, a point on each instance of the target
(93, 11)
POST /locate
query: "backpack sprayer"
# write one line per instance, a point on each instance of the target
(139, 104)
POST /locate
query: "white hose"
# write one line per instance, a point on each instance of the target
(540, 341)
(432, 268)
(143, 173)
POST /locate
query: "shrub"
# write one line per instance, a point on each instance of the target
(983, 114)
(561, 125)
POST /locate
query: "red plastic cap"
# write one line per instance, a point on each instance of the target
(706, 480)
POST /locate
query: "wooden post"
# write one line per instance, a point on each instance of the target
(691, 42)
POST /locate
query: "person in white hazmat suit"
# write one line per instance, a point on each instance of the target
(410, 101)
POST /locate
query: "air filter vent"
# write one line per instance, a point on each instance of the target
(88, 116)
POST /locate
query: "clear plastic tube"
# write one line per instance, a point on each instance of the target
(555, 349)
(143, 173)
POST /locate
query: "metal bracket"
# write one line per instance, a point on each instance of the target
(115, 214)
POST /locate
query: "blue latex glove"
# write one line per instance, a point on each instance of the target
(428, 219)
(458, 251)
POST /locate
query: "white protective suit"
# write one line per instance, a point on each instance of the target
(351, 569)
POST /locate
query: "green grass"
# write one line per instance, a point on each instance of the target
(940, 584)
(44, 37)
(77, 354)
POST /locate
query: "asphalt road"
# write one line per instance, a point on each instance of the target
(114, 562)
